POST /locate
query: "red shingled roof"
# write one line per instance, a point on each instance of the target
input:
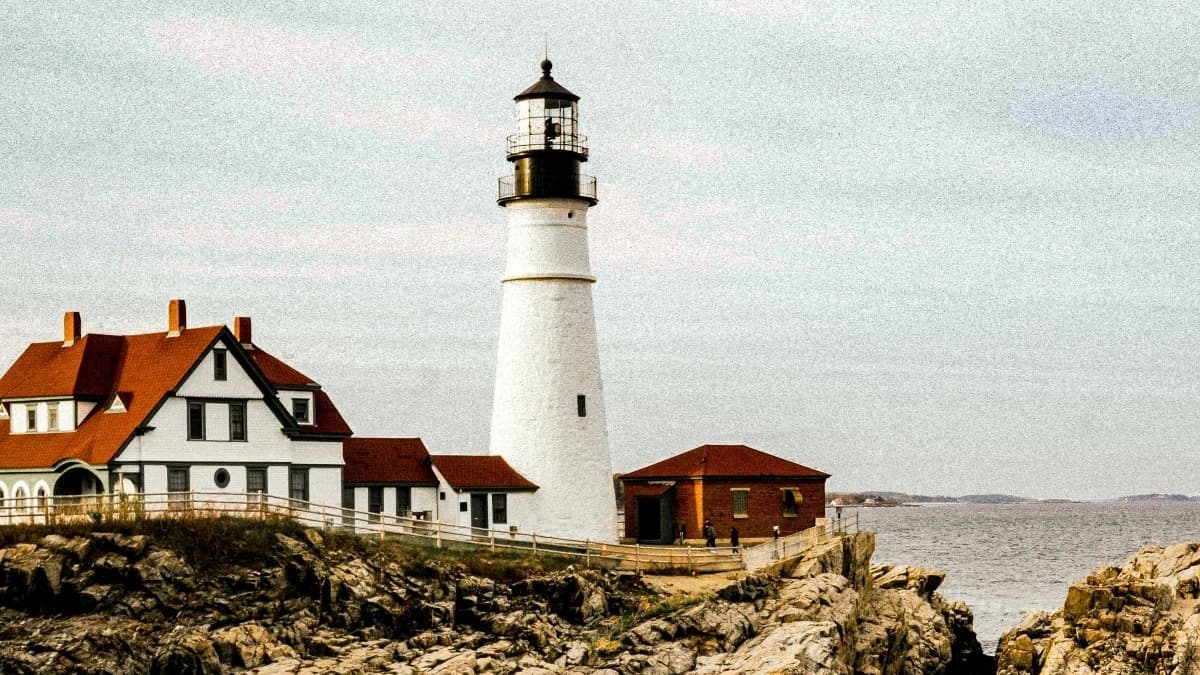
(386, 460)
(146, 366)
(277, 372)
(724, 461)
(283, 376)
(85, 369)
(480, 472)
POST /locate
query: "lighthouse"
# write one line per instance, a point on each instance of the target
(548, 410)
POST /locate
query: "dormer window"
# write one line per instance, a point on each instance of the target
(31, 418)
(300, 409)
(220, 363)
(52, 417)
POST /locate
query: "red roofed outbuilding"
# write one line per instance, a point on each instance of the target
(731, 485)
(389, 475)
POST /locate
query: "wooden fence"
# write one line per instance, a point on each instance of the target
(633, 557)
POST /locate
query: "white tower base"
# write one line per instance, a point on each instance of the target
(548, 413)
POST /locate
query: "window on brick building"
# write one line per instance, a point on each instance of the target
(741, 502)
(791, 502)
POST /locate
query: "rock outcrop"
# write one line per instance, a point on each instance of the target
(112, 603)
(1139, 618)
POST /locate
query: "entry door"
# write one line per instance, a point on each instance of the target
(479, 514)
(649, 519)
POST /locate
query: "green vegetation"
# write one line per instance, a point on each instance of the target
(217, 542)
(648, 607)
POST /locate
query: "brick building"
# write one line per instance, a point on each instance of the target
(731, 485)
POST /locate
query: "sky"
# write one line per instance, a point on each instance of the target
(933, 247)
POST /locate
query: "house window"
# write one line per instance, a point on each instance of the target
(300, 409)
(220, 369)
(500, 509)
(52, 417)
(403, 501)
(195, 421)
(178, 487)
(221, 478)
(237, 421)
(741, 499)
(298, 483)
(177, 479)
(581, 405)
(462, 507)
(375, 502)
(256, 479)
(347, 505)
(791, 502)
(31, 418)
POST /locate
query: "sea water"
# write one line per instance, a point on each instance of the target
(1004, 560)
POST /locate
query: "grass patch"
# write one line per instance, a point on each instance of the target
(203, 542)
(648, 607)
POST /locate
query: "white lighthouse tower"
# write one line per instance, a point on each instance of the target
(548, 411)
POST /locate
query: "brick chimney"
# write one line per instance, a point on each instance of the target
(71, 328)
(176, 318)
(241, 331)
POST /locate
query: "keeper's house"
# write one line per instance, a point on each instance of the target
(186, 409)
(731, 485)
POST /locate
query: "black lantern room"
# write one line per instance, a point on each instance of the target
(547, 149)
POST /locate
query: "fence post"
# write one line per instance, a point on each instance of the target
(437, 533)
(689, 558)
(492, 538)
(637, 558)
(533, 537)
(587, 552)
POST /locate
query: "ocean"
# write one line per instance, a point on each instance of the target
(1005, 560)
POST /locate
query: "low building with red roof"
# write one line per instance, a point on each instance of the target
(398, 476)
(734, 486)
(182, 410)
(483, 491)
(389, 476)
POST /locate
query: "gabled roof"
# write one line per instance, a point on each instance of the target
(147, 367)
(386, 460)
(480, 472)
(724, 461)
(282, 376)
(85, 369)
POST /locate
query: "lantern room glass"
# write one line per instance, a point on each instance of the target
(548, 123)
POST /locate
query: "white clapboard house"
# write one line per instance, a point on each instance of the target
(177, 411)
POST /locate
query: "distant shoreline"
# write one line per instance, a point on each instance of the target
(885, 499)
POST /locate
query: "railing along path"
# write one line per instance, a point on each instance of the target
(634, 557)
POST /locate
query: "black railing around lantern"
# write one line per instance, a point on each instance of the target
(518, 143)
(508, 188)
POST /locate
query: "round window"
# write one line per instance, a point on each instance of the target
(221, 478)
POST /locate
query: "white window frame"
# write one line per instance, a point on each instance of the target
(745, 494)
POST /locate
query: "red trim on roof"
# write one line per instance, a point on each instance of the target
(480, 472)
(724, 461)
(386, 460)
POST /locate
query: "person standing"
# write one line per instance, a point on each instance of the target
(733, 538)
(710, 534)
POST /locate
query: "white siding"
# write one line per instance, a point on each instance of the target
(82, 410)
(265, 444)
(286, 396)
(19, 418)
(546, 357)
(236, 385)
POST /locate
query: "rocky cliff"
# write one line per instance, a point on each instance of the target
(1139, 618)
(306, 603)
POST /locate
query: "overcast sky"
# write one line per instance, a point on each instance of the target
(941, 247)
